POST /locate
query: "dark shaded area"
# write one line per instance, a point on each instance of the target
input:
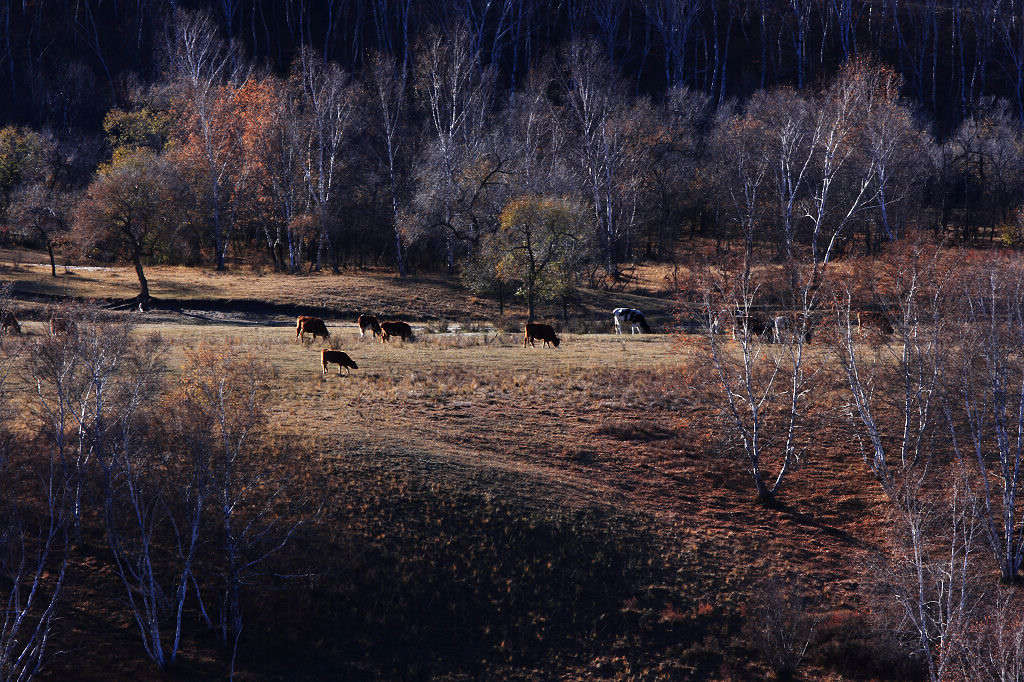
(64, 64)
(422, 580)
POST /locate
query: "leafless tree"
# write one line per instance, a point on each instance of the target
(203, 63)
(388, 84)
(930, 577)
(779, 625)
(748, 384)
(985, 405)
(904, 378)
(457, 95)
(331, 102)
(994, 649)
(676, 23)
(33, 563)
(43, 212)
(285, 163)
(787, 121)
(929, 583)
(96, 387)
(33, 540)
(894, 144)
(595, 105)
(220, 414)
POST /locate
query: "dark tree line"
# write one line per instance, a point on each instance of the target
(425, 158)
(64, 64)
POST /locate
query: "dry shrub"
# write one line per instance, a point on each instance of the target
(644, 432)
(441, 326)
(472, 340)
(779, 626)
(994, 648)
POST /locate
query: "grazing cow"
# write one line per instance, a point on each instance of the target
(368, 322)
(338, 357)
(757, 323)
(9, 323)
(313, 325)
(60, 324)
(399, 329)
(876, 320)
(540, 332)
(636, 320)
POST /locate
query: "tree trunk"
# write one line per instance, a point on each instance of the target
(53, 263)
(399, 261)
(143, 284)
(764, 495)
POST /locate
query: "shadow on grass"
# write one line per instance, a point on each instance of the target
(421, 580)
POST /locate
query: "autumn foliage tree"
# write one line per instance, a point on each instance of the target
(129, 207)
(537, 234)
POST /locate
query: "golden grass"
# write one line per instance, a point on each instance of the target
(263, 292)
(603, 422)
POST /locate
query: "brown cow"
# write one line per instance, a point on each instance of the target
(540, 332)
(61, 324)
(9, 323)
(338, 357)
(399, 329)
(876, 320)
(312, 325)
(368, 322)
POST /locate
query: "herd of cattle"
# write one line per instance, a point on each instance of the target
(770, 326)
(535, 331)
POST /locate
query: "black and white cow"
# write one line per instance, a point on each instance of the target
(633, 317)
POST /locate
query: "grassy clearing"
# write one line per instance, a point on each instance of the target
(490, 511)
(265, 296)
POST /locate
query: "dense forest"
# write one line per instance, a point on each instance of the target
(65, 64)
(489, 140)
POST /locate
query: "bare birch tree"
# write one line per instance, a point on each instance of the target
(388, 84)
(595, 102)
(985, 405)
(929, 579)
(457, 94)
(220, 413)
(331, 102)
(203, 63)
(96, 385)
(33, 542)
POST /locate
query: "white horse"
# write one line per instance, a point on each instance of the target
(636, 320)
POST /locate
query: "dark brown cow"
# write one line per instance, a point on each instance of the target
(313, 325)
(368, 322)
(540, 332)
(877, 320)
(399, 329)
(338, 357)
(61, 324)
(9, 323)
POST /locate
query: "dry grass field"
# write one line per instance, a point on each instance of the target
(483, 511)
(265, 295)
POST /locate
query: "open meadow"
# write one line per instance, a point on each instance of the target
(475, 509)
